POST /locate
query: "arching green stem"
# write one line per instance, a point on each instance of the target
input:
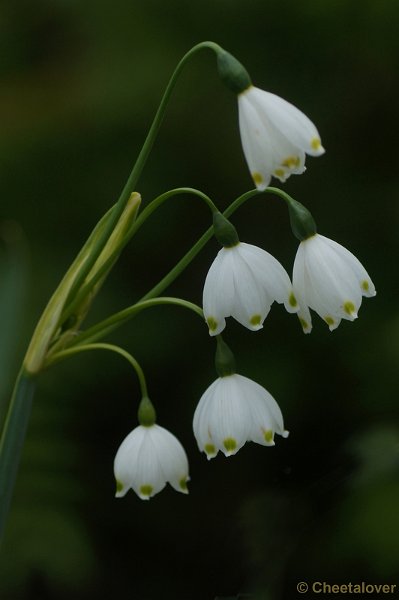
(19, 409)
(157, 202)
(277, 192)
(131, 183)
(192, 253)
(152, 206)
(102, 346)
(105, 327)
(150, 299)
(113, 322)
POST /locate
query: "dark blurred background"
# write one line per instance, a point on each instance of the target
(80, 82)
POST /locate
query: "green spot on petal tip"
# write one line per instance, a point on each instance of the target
(212, 324)
(255, 320)
(304, 323)
(230, 444)
(183, 484)
(257, 177)
(268, 436)
(210, 449)
(349, 308)
(292, 300)
(146, 490)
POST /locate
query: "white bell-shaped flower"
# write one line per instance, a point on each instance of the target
(148, 458)
(243, 282)
(275, 136)
(233, 410)
(330, 280)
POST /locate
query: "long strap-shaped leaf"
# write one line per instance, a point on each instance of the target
(13, 440)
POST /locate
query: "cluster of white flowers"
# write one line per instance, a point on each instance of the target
(232, 411)
(243, 282)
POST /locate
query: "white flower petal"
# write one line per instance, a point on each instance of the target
(201, 422)
(172, 458)
(124, 468)
(225, 422)
(300, 290)
(251, 305)
(149, 477)
(265, 413)
(366, 285)
(218, 291)
(292, 123)
(331, 280)
(229, 416)
(270, 274)
(256, 143)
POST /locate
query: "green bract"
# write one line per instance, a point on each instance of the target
(232, 72)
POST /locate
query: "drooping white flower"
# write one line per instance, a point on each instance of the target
(275, 136)
(148, 458)
(232, 411)
(243, 282)
(330, 280)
